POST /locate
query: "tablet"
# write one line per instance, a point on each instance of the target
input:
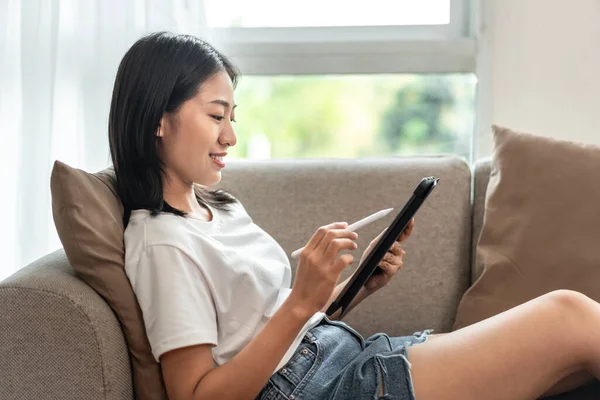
(371, 263)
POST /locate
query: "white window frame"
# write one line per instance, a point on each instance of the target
(354, 50)
(458, 47)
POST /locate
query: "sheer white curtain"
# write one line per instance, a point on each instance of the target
(58, 60)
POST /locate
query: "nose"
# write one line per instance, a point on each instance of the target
(228, 135)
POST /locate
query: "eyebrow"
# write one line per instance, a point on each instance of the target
(223, 103)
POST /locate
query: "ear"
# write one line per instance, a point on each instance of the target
(160, 132)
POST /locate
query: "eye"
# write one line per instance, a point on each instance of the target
(218, 117)
(233, 119)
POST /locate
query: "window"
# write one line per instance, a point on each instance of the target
(336, 78)
(277, 13)
(312, 116)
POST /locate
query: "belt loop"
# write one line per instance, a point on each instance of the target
(309, 337)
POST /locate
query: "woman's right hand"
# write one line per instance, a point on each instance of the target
(319, 267)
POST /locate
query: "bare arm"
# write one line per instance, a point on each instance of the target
(189, 372)
(244, 375)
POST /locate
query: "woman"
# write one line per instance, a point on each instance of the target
(215, 291)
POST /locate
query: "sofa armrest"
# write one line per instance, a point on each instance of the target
(58, 338)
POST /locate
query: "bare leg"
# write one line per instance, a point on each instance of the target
(519, 354)
(569, 383)
(566, 384)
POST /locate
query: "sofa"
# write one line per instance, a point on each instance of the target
(60, 340)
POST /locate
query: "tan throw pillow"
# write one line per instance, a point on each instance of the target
(89, 219)
(541, 224)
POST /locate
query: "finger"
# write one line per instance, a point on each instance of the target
(336, 246)
(320, 234)
(383, 266)
(332, 235)
(396, 249)
(342, 262)
(390, 268)
(409, 228)
(399, 253)
(387, 268)
(407, 231)
(403, 236)
(392, 259)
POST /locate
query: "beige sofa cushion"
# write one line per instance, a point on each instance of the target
(541, 224)
(89, 219)
(290, 199)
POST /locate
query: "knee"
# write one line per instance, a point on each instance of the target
(571, 301)
(577, 317)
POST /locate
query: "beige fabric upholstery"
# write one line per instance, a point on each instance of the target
(540, 225)
(88, 216)
(58, 338)
(481, 177)
(291, 200)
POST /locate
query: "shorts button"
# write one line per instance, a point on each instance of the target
(292, 397)
(283, 370)
(304, 351)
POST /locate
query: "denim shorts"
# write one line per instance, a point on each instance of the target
(335, 362)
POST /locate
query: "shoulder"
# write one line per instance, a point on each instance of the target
(145, 230)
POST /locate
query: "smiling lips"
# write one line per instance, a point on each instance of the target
(218, 158)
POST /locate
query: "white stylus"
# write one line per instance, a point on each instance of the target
(357, 225)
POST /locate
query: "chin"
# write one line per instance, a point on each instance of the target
(210, 181)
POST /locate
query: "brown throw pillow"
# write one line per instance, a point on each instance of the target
(541, 224)
(89, 219)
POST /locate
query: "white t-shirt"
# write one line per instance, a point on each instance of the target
(198, 282)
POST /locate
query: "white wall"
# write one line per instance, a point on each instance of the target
(544, 63)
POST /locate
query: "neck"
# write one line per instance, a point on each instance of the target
(181, 195)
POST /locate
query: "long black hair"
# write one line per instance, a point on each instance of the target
(157, 75)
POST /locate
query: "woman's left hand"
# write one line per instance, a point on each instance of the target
(391, 263)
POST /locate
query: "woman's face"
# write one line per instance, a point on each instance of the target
(202, 127)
